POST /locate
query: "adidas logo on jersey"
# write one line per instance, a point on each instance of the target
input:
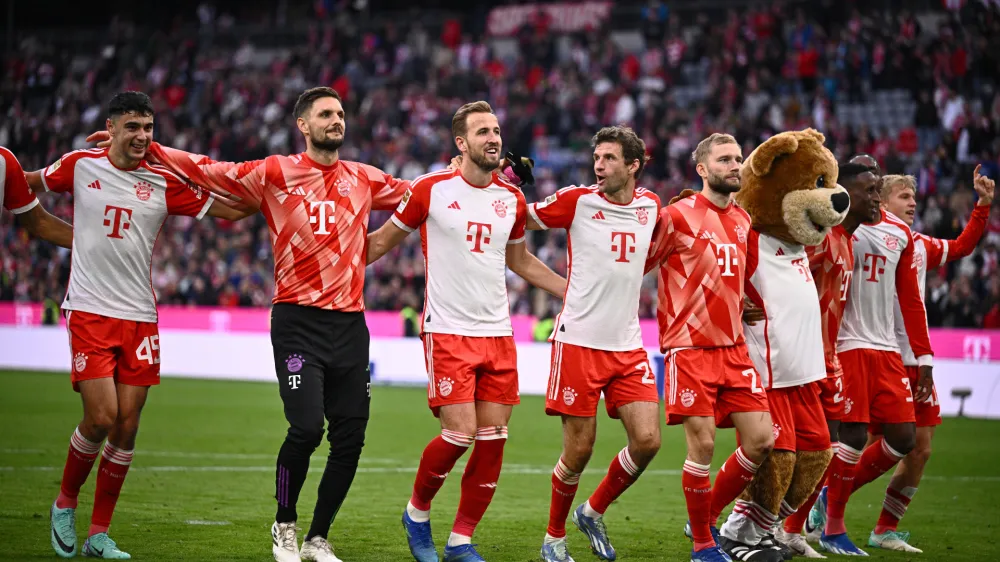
(840, 261)
(96, 184)
(706, 235)
(296, 190)
(454, 205)
(780, 252)
(599, 216)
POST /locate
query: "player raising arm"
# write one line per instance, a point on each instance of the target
(597, 343)
(472, 224)
(119, 203)
(899, 198)
(17, 197)
(700, 248)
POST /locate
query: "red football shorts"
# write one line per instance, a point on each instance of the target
(579, 375)
(798, 416)
(103, 347)
(463, 369)
(876, 387)
(928, 412)
(831, 394)
(713, 382)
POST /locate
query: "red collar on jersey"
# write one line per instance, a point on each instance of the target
(707, 201)
(493, 180)
(634, 197)
(317, 165)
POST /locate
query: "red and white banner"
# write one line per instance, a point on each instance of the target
(561, 18)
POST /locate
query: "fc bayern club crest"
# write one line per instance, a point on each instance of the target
(741, 234)
(343, 187)
(891, 242)
(687, 397)
(143, 190)
(500, 207)
(569, 396)
(643, 216)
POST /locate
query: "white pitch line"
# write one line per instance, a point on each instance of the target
(190, 455)
(519, 469)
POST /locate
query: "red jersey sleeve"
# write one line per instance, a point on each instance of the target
(58, 176)
(558, 209)
(17, 197)
(940, 252)
(520, 219)
(413, 206)
(816, 254)
(662, 241)
(387, 191)
(240, 181)
(911, 305)
(183, 198)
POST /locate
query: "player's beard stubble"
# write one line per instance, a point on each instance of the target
(483, 161)
(723, 184)
(325, 143)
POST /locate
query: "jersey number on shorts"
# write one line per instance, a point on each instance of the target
(837, 398)
(149, 350)
(752, 373)
(647, 373)
(906, 381)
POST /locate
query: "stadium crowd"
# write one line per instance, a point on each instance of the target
(917, 91)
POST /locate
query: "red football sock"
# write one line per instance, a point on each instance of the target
(839, 488)
(893, 508)
(876, 461)
(479, 482)
(797, 520)
(79, 462)
(698, 496)
(564, 485)
(437, 460)
(730, 482)
(622, 474)
(110, 477)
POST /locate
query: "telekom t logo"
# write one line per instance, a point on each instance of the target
(623, 243)
(478, 234)
(845, 283)
(803, 268)
(118, 218)
(874, 266)
(727, 258)
(321, 214)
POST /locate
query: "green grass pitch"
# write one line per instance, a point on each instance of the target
(201, 485)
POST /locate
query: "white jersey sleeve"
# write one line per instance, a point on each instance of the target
(117, 215)
(787, 347)
(607, 247)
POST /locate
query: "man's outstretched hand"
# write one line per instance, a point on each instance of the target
(102, 138)
(519, 170)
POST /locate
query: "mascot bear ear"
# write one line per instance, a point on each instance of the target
(765, 154)
(682, 195)
(820, 138)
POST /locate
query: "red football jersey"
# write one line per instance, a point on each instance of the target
(318, 217)
(701, 251)
(15, 195)
(832, 265)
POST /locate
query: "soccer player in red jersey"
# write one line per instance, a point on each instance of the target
(119, 204)
(17, 197)
(317, 207)
(597, 343)
(472, 224)
(832, 265)
(899, 198)
(700, 248)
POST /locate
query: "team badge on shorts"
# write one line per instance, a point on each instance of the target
(80, 362)
(143, 190)
(445, 386)
(500, 207)
(642, 215)
(741, 234)
(848, 404)
(294, 363)
(569, 396)
(687, 397)
(777, 431)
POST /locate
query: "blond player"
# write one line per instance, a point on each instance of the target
(700, 247)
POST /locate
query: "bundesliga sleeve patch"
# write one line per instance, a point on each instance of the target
(53, 167)
(403, 201)
(548, 201)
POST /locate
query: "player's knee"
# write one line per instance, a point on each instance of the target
(646, 446)
(576, 454)
(921, 453)
(760, 446)
(902, 442)
(702, 448)
(347, 438)
(306, 435)
(101, 420)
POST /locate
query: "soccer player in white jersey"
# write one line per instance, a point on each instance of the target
(472, 224)
(899, 198)
(119, 204)
(597, 343)
(876, 387)
(16, 196)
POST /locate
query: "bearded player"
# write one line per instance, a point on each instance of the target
(700, 248)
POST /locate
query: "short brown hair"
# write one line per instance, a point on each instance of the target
(890, 182)
(308, 97)
(704, 147)
(459, 127)
(633, 148)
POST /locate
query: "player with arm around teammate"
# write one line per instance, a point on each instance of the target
(16, 196)
(472, 224)
(700, 247)
(899, 198)
(120, 202)
(597, 343)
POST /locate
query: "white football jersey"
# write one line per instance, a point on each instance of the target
(117, 215)
(607, 247)
(464, 230)
(884, 269)
(787, 346)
